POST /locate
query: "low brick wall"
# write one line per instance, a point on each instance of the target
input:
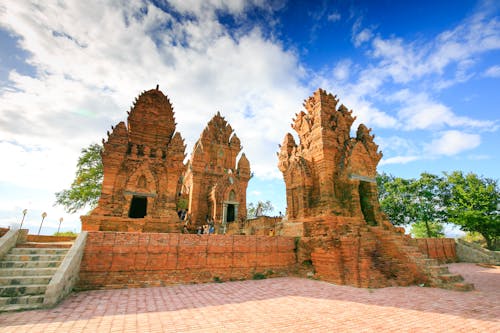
(260, 226)
(49, 239)
(442, 249)
(123, 259)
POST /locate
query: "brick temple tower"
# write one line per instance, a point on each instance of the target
(142, 165)
(328, 172)
(214, 183)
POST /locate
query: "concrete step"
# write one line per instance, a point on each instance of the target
(26, 300)
(29, 264)
(64, 245)
(19, 307)
(14, 291)
(30, 250)
(24, 280)
(34, 257)
(450, 278)
(28, 271)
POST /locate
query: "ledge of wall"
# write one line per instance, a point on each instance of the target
(469, 252)
(129, 259)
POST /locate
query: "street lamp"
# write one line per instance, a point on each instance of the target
(60, 220)
(24, 215)
(44, 215)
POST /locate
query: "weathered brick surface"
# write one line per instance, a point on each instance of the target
(262, 226)
(124, 259)
(214, 178)
(442, 249)
(347, 251)
(142, 160)
(332, 203)
(49, 239)
(328, 172)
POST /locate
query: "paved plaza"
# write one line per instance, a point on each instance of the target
(274, 305)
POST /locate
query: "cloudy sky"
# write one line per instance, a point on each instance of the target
(424, 75)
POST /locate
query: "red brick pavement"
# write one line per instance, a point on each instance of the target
(274, 305)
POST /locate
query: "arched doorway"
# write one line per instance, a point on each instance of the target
(230, 213)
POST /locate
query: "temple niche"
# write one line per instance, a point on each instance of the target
(214, 183)
(142, 165)
(328, 172)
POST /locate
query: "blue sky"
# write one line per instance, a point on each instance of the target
(424, 75)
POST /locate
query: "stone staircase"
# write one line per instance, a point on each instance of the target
(439, 275)
(25, 272)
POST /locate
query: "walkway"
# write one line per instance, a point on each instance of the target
(274, 305)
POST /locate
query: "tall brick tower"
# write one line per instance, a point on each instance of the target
(142, 164)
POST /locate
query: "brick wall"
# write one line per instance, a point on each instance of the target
(49, 239)
(344, 250)
(260, 226)
(443, 249)
(119, 259)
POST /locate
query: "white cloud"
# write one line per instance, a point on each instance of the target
(342, 69)
(92, 60)
(419, 111)
(208, 7)
(395, 145)
(39, 167)
(493, 71)
(362, 37)
(398, 160)
(453, 142)
(446, 60)
(334, 17)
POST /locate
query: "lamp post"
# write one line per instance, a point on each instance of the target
(24, 215)
(60, 220)
(44, 215)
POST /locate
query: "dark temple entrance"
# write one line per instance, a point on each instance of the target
(138, 207)
(230, 213)
(365, 198)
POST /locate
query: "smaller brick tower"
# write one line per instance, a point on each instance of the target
(142, 164)
(328, 172)
(214, 183)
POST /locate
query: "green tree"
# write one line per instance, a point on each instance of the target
(410, 201)
(419, 230)
(428, 202)
(86, 187)
(473, 204)
(394, 198)
(265, 208)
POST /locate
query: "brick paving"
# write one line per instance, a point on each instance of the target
(274, 305)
